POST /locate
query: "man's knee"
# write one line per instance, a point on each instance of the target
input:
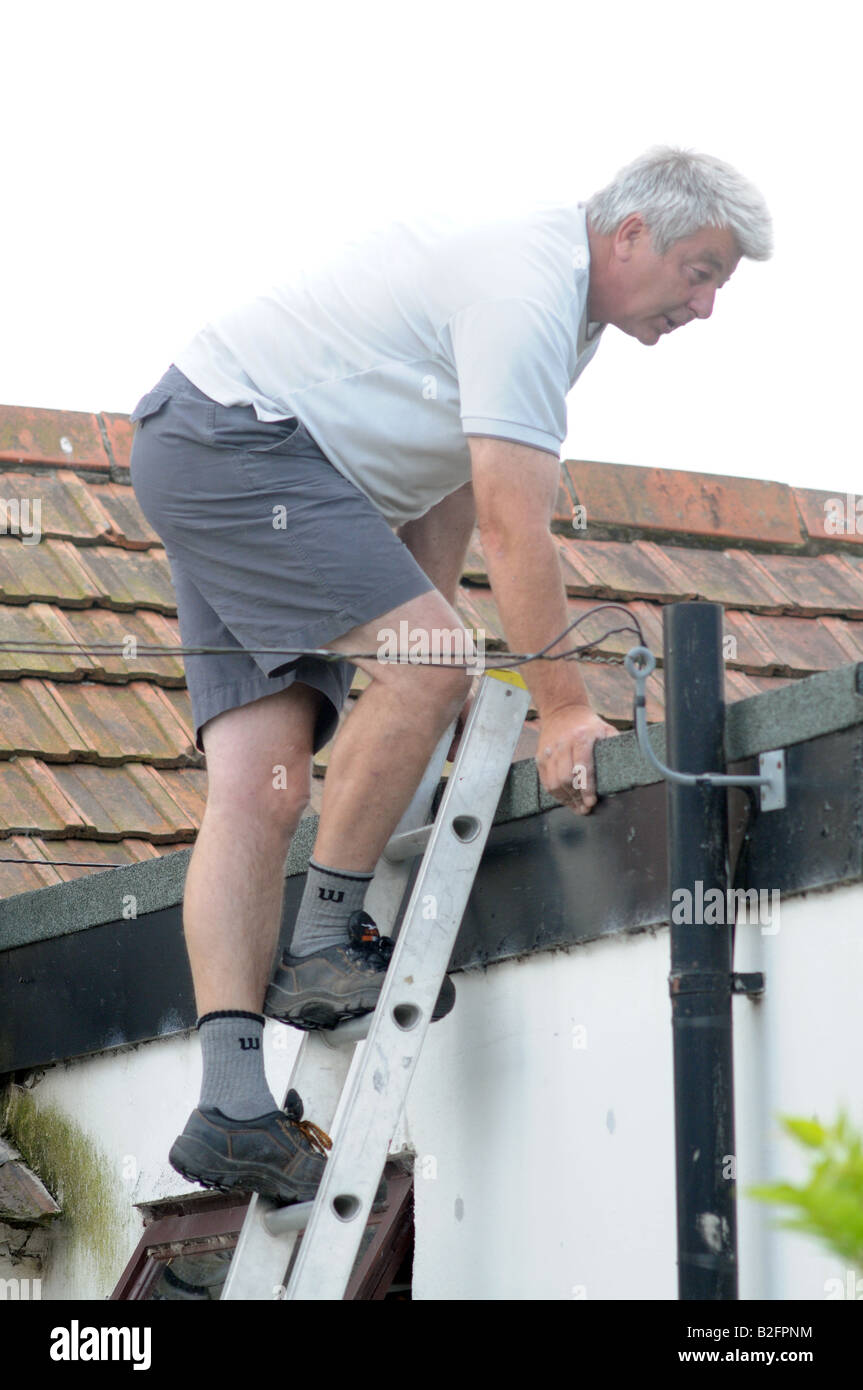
(259, 759)
(458, 686)
(422, 649)
(426, 684)
(273, 801)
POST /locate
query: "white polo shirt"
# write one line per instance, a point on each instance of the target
(408, 342)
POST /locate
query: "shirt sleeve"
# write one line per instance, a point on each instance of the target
(511, 358)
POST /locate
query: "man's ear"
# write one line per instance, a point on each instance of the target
(631, 231)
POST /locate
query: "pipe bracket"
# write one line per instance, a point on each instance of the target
(715, 982)
(751, 983)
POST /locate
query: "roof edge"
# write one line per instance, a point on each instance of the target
(810, 708)
(806, 709)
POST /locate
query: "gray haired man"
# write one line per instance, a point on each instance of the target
(315, 462)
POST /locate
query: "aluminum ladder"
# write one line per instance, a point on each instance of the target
(357, 1092)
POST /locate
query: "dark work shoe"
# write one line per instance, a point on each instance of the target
(294, 1108)
(327, 987)
(279, 1155)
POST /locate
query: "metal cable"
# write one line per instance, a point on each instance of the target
(503, 660)
(50, 646)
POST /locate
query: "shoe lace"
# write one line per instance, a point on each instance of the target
(371, 938)
(318, 1138)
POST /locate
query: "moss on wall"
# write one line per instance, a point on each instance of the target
(78, 1175)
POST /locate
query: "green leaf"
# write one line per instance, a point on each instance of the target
(829, 1205)
(807, 1131)
(775, 1192)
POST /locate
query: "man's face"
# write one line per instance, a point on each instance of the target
(648, 295)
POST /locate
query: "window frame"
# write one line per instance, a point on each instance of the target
(198, 1225)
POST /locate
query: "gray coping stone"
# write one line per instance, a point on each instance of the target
(810, 708)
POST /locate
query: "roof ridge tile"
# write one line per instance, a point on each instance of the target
(847, 516)
(64, 438)
(118, 433)
(676, 502)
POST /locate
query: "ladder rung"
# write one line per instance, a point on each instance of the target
(353, 1031)
(292, 1218)
(408, 844)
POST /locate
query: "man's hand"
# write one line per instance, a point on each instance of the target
(515, 487)
(565, 755)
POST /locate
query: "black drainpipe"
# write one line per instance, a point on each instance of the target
(701, 956)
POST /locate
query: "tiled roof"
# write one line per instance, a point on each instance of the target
(97, 758)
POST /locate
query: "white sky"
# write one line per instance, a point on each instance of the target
(166, 158)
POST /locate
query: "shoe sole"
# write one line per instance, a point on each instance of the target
(313, 1011)
(199, 1163)
(184, 1162)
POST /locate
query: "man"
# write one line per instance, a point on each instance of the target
(315, 462)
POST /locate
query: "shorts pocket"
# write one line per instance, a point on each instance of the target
(150, 404)
(237, 427)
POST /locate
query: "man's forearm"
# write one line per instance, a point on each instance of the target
(527, 583)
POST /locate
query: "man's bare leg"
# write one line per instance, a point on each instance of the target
(234, 885)
(383, 748)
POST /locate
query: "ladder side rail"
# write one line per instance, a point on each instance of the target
(378, 1085)
(321, 1068)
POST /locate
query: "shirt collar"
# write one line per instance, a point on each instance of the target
(588, 331)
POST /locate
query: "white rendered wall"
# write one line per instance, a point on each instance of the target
(798, 1052)
(546, 1169)
(541, 1116)
(129, 1105)
(543, 1121)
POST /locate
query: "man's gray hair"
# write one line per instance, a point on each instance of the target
(678, 192)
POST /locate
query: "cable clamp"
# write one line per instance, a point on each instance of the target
(640, 663)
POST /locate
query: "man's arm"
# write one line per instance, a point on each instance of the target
(514, 490)
(439, 540)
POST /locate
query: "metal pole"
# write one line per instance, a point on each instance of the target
(701, 956)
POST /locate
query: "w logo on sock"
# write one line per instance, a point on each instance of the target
(250, 1043)
(331, 895)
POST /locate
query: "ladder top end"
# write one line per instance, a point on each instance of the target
(510, 677)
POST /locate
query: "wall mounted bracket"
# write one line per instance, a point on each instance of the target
(640, 663)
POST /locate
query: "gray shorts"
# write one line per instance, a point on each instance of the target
(269, 546)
